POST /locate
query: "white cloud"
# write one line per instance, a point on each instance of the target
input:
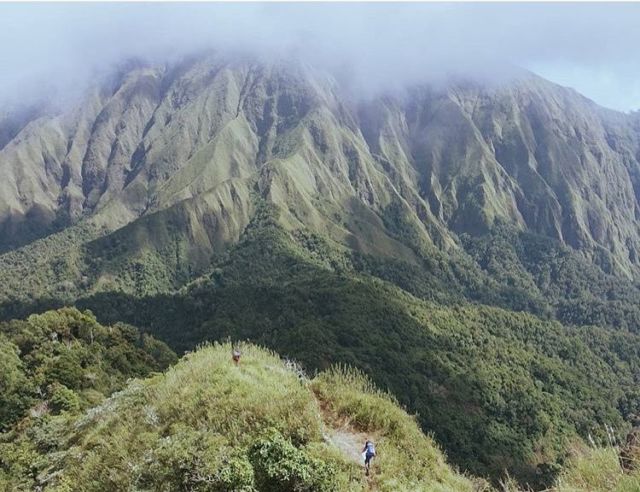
(591, 47)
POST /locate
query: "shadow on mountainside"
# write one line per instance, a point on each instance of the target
(492, 386)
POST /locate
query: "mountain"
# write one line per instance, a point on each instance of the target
(161, 168)
(455, 159)
(471, 247)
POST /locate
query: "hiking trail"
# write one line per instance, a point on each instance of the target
(340, 433)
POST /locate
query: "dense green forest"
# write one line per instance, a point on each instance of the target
(65, 360)
(556, 280)
(507, 268)
(500, 390)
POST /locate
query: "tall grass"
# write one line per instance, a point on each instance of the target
(407, 459)
(207, 424)
(597, 470)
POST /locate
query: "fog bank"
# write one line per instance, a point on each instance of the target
(50, 49)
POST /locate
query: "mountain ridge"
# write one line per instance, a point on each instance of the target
(458, 157)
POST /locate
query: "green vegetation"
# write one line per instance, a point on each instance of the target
(555, 280)
(597, 470)
(65, 361)
(397, 236)
(206, 424)
(348, 395)
(500, 391)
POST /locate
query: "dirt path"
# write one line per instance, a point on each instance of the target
(347, 441)
(343, 436)
(339, 433)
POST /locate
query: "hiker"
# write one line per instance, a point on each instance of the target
(369, 452)
(236, 356)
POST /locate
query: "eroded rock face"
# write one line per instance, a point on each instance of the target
(207, 133)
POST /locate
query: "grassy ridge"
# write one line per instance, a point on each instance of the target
(348, 394)
(206, 424)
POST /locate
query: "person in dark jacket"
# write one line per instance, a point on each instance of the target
(369, 452)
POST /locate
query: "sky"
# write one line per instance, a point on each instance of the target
(57, 48)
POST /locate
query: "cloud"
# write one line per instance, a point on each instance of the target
(59, 47)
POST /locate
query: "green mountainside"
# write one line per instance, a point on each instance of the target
(206, 424)
(195, 140)
(499, 390)
(473, 249)
(480, 378)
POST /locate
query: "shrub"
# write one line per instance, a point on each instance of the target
(281, 467)
(14, 386)
(63, 399)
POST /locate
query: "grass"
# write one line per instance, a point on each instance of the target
(589, 470)
(206, 424)
(407, 456)
(597, 470)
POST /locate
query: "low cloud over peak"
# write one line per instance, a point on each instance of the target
(591, 47)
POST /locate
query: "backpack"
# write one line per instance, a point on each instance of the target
(371, 448)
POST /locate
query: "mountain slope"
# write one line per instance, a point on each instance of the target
(498, 389)
(527, 152)
(195, 144)
(236, 197)
(208, 425)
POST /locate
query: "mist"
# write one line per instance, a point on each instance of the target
(55, 50)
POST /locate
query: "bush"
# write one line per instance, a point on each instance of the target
(63, 399)
(78, 360)
(281, 467)
(196, 460)
(14, 386)
(235, 474)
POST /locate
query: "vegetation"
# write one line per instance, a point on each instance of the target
(499, 390)
(237, 200)
(206, 424)
(556, 280)
(65, 361)
(348, 395)
(597, 470)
